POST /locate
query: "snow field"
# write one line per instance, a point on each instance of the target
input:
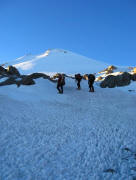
(74, 136)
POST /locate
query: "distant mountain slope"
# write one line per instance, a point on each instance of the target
(57, 60)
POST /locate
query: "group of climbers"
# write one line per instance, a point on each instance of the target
(78, 78)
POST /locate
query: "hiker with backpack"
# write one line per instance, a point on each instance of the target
(78, 78)
(60, 83)
(91, 79)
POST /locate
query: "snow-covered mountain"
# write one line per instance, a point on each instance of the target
(57, 60)
(77, 135)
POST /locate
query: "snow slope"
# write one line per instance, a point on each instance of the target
(57, 60)
(73, 136)
(76, 136)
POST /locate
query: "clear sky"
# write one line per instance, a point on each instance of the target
(104, 30)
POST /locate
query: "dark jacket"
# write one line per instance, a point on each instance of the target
(91, 77)
(78, 77)
(61, 81)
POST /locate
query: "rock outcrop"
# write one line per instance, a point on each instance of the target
(3, 71)
(85, 76)
(134, 69)
(120, 80)
(109, 69)
(13, 77)
(109, 81)
(11, 70)
(123, 79)
(8, 81)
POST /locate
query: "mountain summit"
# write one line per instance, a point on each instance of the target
(57, 60)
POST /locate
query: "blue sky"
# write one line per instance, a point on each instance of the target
(104, 30)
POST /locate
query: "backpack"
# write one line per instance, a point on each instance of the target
(91, 77)
(63, 81)
(78, 77)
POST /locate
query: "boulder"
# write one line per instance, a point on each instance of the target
(9, 81)
(109, 81)
(39, 75)
(24, 79)
(27, 80)
(11, 70)
(85, 76)
(120, 80)
(123, 79)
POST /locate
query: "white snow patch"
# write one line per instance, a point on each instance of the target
(3, 79)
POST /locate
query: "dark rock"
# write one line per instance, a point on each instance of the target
(133, 77)
(120, 80)
(3, 71)
(11, 70)
(109, 81)
(123, 79)
(9, 81)
(24, 79)
(39, 75)
(27, 80)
